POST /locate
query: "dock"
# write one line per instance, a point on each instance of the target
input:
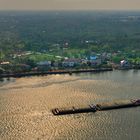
(98, 107)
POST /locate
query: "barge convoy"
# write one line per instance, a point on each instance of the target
(98, 107)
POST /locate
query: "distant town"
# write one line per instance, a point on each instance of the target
(29, 61)
(65, 41)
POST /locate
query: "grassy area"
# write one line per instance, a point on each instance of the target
(43, 57)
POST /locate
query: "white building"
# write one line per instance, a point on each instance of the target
(124, 63)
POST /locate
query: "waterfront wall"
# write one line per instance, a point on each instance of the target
(53, 72)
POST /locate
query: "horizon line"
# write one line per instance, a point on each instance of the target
(69, 10)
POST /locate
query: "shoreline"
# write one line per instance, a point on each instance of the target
(18, 75)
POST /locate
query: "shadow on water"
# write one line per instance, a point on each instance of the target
(135, 71)
(4, 81)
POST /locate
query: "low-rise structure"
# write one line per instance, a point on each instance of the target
(71, 62)
(44, 65)
(94, 60)
(125, 64)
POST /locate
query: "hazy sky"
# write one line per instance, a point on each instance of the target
(69, 4)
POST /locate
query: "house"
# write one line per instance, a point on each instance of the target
(84, 61)
(71, 62)
(94, 60)
(105, 56)
(93, 57)
(44, 65)
(124, 63)
(54, 63)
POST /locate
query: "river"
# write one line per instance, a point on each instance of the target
(25, 105)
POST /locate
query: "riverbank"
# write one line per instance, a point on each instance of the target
(6, 75)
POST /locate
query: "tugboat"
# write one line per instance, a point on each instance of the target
(136, 101)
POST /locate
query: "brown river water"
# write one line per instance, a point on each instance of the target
(25, 105)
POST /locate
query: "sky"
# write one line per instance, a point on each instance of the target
(69, 4)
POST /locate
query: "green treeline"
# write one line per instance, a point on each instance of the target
(83, 31)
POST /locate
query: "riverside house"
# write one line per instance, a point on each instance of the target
(44, 65)
(71, 62)
(94, 60)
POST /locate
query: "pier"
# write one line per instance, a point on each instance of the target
(98, 107)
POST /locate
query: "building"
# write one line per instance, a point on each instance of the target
(44, 65)
(94, 60)
(71, 62)
(124, 63)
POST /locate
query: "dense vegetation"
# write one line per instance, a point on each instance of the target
(84, 32)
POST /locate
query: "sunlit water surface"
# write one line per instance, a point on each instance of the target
(25, 105)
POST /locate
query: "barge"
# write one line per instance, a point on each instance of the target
(115, 105)
(98, 107)
(73, 110)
